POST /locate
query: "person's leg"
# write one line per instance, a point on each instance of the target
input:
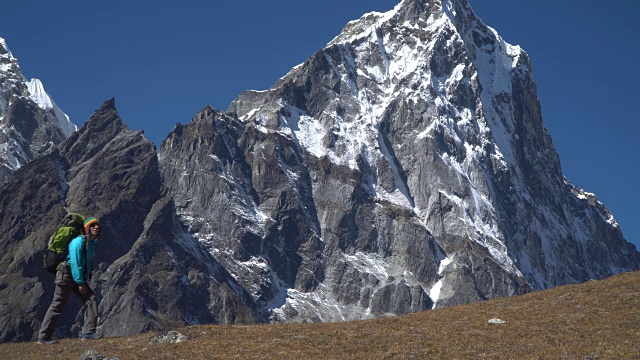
(63, 287)
(90, 313)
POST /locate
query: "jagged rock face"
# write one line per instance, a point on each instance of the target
(149, 273)
(167, 279)
(29, 201)
(300, 233)
(414, 148)
(31, 124)
(219, 171)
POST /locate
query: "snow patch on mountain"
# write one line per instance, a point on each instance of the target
(369, 264)
(44, 101)
(319, 305)
(9, 158)
(7, 61)
(243, 204)
(38, 95)
(434, 293)
(11, 154)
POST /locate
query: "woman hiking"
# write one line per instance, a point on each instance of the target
(72, 276)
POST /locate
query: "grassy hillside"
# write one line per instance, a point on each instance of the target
(594, 320)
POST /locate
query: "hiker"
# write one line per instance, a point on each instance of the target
(72, 276)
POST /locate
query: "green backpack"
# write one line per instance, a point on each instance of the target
(58, 248)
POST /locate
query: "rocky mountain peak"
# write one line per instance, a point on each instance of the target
(434, 113)
(8, 64)
(12, 82)
(206, 114)
(103, 126)
(31, 123)
(3, 46)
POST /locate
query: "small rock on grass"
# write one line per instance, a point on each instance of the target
(496, 321)
(93, 355)
(168, 337)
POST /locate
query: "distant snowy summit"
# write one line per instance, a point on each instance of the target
(31, 124)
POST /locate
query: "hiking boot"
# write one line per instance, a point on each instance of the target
(47, 342)
(93, 336)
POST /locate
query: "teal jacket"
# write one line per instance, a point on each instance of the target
(81, 262)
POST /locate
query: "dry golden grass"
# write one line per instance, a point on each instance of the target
(594, 320)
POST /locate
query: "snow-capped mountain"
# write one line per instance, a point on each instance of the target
(31, 124)
(403, 167)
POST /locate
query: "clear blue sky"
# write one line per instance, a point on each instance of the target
(164, 62)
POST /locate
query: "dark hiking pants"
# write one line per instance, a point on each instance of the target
(64, 287)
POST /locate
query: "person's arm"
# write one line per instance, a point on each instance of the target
(75, 259)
